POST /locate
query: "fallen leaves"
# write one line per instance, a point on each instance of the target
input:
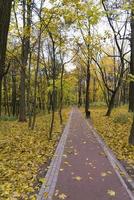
(103, 174)
(67, 163)
(62, 196)
(114, 132)
(77, 178)
(111, 193)
(22, 151)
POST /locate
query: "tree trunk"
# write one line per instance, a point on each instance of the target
(6, 102)
(36, 80)
(111, 104)
(131, 86)
(131, 137)
(25, 53)
(13, 93)
(29, 91)
(5, 12)
(79, 92)
(61, 94)
(88, 74)
(0, 96)
(94, 89)
(54, 89)
(87, 91)
(22, 103)
(37, 70)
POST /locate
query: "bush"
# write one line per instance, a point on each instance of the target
(122, 118)
(98, 104)
(8, 118)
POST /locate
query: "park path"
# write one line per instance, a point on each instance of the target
(85, 172)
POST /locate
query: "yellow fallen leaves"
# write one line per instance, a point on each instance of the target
(22, 151)
(77, 178)
(103, 174)
(61, 169)
(67, 163)
(111, 193)
(115, 132)
(46, 195)
(62, 196)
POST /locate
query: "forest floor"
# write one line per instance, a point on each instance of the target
(23, 153)
(115, 132)
(83, 170)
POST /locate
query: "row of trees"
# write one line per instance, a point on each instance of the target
(38, 42)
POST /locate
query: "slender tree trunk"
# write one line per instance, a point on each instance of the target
(36, 79)
(54, 89)
(79, 92)
(87, 91)
(7, 109)
(131, 86)
(25, 53)
(13, 93)
(29, 91)
(22, 103)
(61, 94)
(88, 75)
(94, 89)
(37, 70)
(4, 97)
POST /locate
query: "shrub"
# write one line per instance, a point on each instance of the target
(8, 118)
(121, 118)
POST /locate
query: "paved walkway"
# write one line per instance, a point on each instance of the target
(85, 171)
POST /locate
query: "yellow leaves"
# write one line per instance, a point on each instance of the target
(42, 180)
(111, 193)
(46, 195)
(62, 196)
(115, 131)
(103, 174)
(109, 172)
(22, 151)
(77, 178)
(84, 142)
(67, 163)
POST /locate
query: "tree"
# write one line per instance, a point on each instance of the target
(131, 86)
(119, 35)
(5, 13)
(84, 23)
(131, 136)
(26, 5)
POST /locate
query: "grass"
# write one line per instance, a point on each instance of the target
(115, 131)
(22, 151)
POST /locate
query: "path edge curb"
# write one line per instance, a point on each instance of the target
(48, 187)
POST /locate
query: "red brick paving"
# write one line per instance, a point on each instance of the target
(86, 173)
